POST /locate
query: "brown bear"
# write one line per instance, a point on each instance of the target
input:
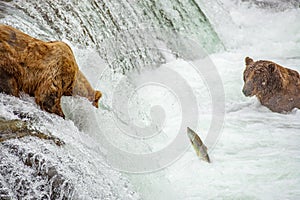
(276, 87)
(44, 70)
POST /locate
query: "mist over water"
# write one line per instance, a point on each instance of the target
(257, 152)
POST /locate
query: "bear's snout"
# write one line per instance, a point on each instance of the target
(248, 89)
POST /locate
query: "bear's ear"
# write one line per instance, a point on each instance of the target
(248, 60)
(272, 68)
(98, 95)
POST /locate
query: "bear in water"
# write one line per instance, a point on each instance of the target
(44, 70)
(276, 87)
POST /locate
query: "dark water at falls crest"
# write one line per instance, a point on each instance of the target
(124, 32)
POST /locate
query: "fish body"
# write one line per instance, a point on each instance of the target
(200, 148)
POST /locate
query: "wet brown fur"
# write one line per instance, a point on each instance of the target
(276, 87)
(45, 70)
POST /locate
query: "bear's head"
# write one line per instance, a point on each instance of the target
(261, 77)
(83, 88)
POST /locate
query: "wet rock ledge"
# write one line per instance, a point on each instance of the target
(28, 175)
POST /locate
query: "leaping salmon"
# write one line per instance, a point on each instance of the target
(200, 148)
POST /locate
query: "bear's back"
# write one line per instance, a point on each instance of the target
(15, 38)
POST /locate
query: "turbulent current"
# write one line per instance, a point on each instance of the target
(162, 65)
